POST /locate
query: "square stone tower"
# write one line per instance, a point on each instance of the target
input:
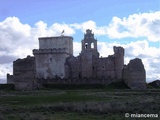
(51, 56)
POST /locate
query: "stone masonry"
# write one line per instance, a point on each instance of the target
(134, 74)
(23, 74)
(54, 63)
(51, 56)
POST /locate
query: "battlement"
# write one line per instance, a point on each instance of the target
(118, 50)
(28, 58)
(51, 51)
(59, 42)
(54, 62)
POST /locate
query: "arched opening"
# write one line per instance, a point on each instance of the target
(92, 45)
(86, 45)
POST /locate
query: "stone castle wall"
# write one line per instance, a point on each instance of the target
(119, 61)
(54, 62)
(106, 68)
(23, 73)
(57, 42)
(73, 67)
(51, 56)
(134, 74)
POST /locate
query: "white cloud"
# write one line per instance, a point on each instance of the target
(136, 25)
(105, 48)
(90, 25)
(58, 28)
(76, 48)
(4, 69)
(150, 57)
(18, 39)
(14, 34)
(140, 49)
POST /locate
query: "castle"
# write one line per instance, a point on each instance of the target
(54, 63)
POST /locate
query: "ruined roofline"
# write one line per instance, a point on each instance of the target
(20, 59)
(50, 51)
(62, 36)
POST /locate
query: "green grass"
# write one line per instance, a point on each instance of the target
(77, 104)
(116, 85)
(62, 116)
(69, 96)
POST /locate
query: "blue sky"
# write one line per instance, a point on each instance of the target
(70, 11)
(133, 24)
(75, 11)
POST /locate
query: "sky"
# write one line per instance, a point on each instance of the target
(132, 24)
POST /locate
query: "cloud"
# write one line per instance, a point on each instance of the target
(13, 35)
(150, 57)
(6, 59)
(57, 28)
(136, 25)
(2, 81)
(76, 48)
(139, 49)
(18, 39)
(90, 25)
(4, 69)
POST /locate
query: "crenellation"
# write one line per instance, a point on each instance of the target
(57, 42)
(51, 51)
(54, 63)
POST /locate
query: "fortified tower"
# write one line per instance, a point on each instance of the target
(88, 55)
(119, 61)
(54, 59)
(51, 55)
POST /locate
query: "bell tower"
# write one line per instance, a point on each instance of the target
(89, 55)
(89, 43)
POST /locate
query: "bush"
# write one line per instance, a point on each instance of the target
(7, 86)
(73, 86)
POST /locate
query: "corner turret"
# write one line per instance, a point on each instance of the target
(119, 61)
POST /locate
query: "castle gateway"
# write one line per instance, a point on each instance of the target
(54, 63)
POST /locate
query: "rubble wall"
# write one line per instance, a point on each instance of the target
(134, 74)
(23, 74)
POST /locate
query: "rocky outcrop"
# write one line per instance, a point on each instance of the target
(134, 74)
